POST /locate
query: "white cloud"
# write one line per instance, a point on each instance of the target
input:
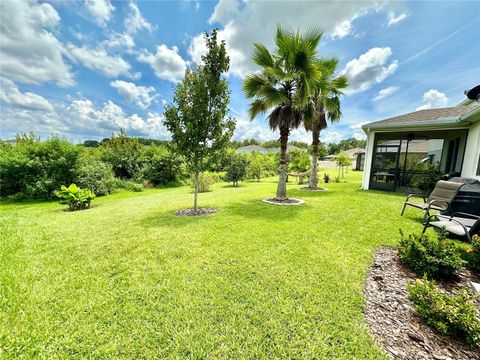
(383, 93)
(166, 63)
(101, 10)
(433, 99)
(255, 22)
(342, 29)
(30, 53)
(10, 94)
(139, 95)
(119, 41)
(135, 20)
(330, 136)
(369, 69)
(100, 61)
(394, 19)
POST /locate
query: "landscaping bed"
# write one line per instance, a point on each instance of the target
(200, 212)
(393, 321)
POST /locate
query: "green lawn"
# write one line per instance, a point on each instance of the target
(129, 279)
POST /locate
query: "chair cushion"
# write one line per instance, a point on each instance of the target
(445, 191)
(450, 226)
(424, 206)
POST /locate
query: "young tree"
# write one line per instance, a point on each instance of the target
(324, 105)
(198, 118)
(343, 160)
(236, 169)
(283, 86)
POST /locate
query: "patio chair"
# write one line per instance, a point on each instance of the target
(459, 223)
(439, 199)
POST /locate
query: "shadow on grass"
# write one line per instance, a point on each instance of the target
(257, 209)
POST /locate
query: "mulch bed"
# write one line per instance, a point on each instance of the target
(290, 201)
(200, 212)
(392, 319)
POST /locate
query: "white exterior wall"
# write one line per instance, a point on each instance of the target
(472, 152)
(368, 160)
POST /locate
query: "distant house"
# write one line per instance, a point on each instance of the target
(276, 150)
(403, 149)
(251, 148)
(357, 155)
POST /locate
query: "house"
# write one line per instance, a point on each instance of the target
(251, 148)
(276, 150)
(403, 150)
(357, 155)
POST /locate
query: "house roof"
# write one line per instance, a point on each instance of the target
(289, 148)
(251, 148)
(441, 117)
(354, 152)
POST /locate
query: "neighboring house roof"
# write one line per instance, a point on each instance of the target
(251, 148)
(289, 148)
(461, 115)
(354, 152)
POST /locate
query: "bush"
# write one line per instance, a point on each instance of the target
(431, 257)
(255, 166)
(162, 166)
(236, 169)
(95, 175)
(74, 197)
(205, 181)
(124, 154)
(128, 185)
(36, 168)
(326, 178)
(450, 315)
(299, 161)
(473, 254)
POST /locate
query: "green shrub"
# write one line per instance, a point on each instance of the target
(124, 154)
(162, 166)
(450, 315)
(94, 174)
(236, 169)
(256, 166)
(128, 185)
(432, 257)
(35, 168)
(472, 254)
(299, 161)
(216, 176)
(205, 181)
(74, 197)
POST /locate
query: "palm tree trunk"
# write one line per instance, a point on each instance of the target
(282, 179)
(195, 193)
(315, 142)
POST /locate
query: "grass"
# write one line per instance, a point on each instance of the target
(129, 279)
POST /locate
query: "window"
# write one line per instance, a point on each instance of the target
(478, 166)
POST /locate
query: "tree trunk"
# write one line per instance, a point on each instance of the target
(195, 193)
(282, 178)
(315, 142)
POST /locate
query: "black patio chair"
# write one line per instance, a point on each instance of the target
(439, 199)
(459, 223)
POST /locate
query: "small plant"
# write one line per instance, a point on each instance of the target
(429, 256)
(74, 197)
(336, 179)
(450, 315)
(473, 253)
(205, 181)
(326, 178)
(128, 185)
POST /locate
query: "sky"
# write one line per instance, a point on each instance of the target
(83, 69)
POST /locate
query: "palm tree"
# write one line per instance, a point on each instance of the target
(323, 105)
(284, 86)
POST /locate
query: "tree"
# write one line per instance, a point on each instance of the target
(236, 169)
(324, 105)
(198, 118)
(283, 87)
(343, 160)
(255, 166)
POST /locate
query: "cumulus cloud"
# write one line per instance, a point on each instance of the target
(369, 69)
(394, 19)
(30, 51)
(166, 63)
(383, 93)
(342, 29)
(10, 95)
(119, 42)
(141, 96)
(101, 10)
(433, 99)
(100, 61)
(255, 22)
(135, 20)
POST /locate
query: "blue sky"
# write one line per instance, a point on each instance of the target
(82, 69)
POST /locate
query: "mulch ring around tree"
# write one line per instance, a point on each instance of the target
(288, 201)
(200, 212)
(392, 319)
(307, 188)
